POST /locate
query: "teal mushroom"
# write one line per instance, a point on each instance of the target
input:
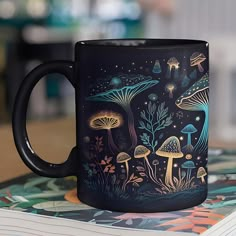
(157, 67)
(189, 130)
(189, 165)
(196, 99)
(133, 85)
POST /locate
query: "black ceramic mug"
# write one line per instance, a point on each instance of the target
(142, 123)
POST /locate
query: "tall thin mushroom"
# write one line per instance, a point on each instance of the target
(123, 158)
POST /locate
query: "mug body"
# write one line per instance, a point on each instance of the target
(142, 123)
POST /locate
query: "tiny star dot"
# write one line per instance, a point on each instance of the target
(145, 103)
(174, 126)
(133, 63)
(197, 118)
(175, 165)
(140, 67)
(195, 138)
(116, 66)
(181, 138)
(129, 70)
(198, 158)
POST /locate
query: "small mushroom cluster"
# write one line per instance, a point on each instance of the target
(169, 149)
(139, 152)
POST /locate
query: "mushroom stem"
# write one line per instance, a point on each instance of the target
(132, 132)
(203, 180)
(127, 175)
(189, 139)
(200, 68)
(150, 170)
(113, 148)
(170, 93)
(168, 178)
(187, 173)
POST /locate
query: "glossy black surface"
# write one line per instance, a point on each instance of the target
(30, 158)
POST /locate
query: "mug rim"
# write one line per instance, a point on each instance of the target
(143, 43)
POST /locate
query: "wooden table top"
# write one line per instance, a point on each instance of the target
(52, 140)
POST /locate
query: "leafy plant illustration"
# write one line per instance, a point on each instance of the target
(155, 118)
(134, 180)
(180, 183)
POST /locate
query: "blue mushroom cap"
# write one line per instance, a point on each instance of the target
(189, 129)
(188, 165)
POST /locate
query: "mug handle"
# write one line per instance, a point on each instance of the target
(29, 157)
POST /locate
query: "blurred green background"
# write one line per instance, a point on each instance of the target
(34, 31)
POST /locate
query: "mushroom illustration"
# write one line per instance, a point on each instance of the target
(170, 89)
(196, 99)
(196, 59)
(189, 130)
(201, 172)
(142, 152)
(189, 165)
(170, 149)
(133, 85)
(157, 67)
(123, 158)
(172, 63)
(107, 121)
